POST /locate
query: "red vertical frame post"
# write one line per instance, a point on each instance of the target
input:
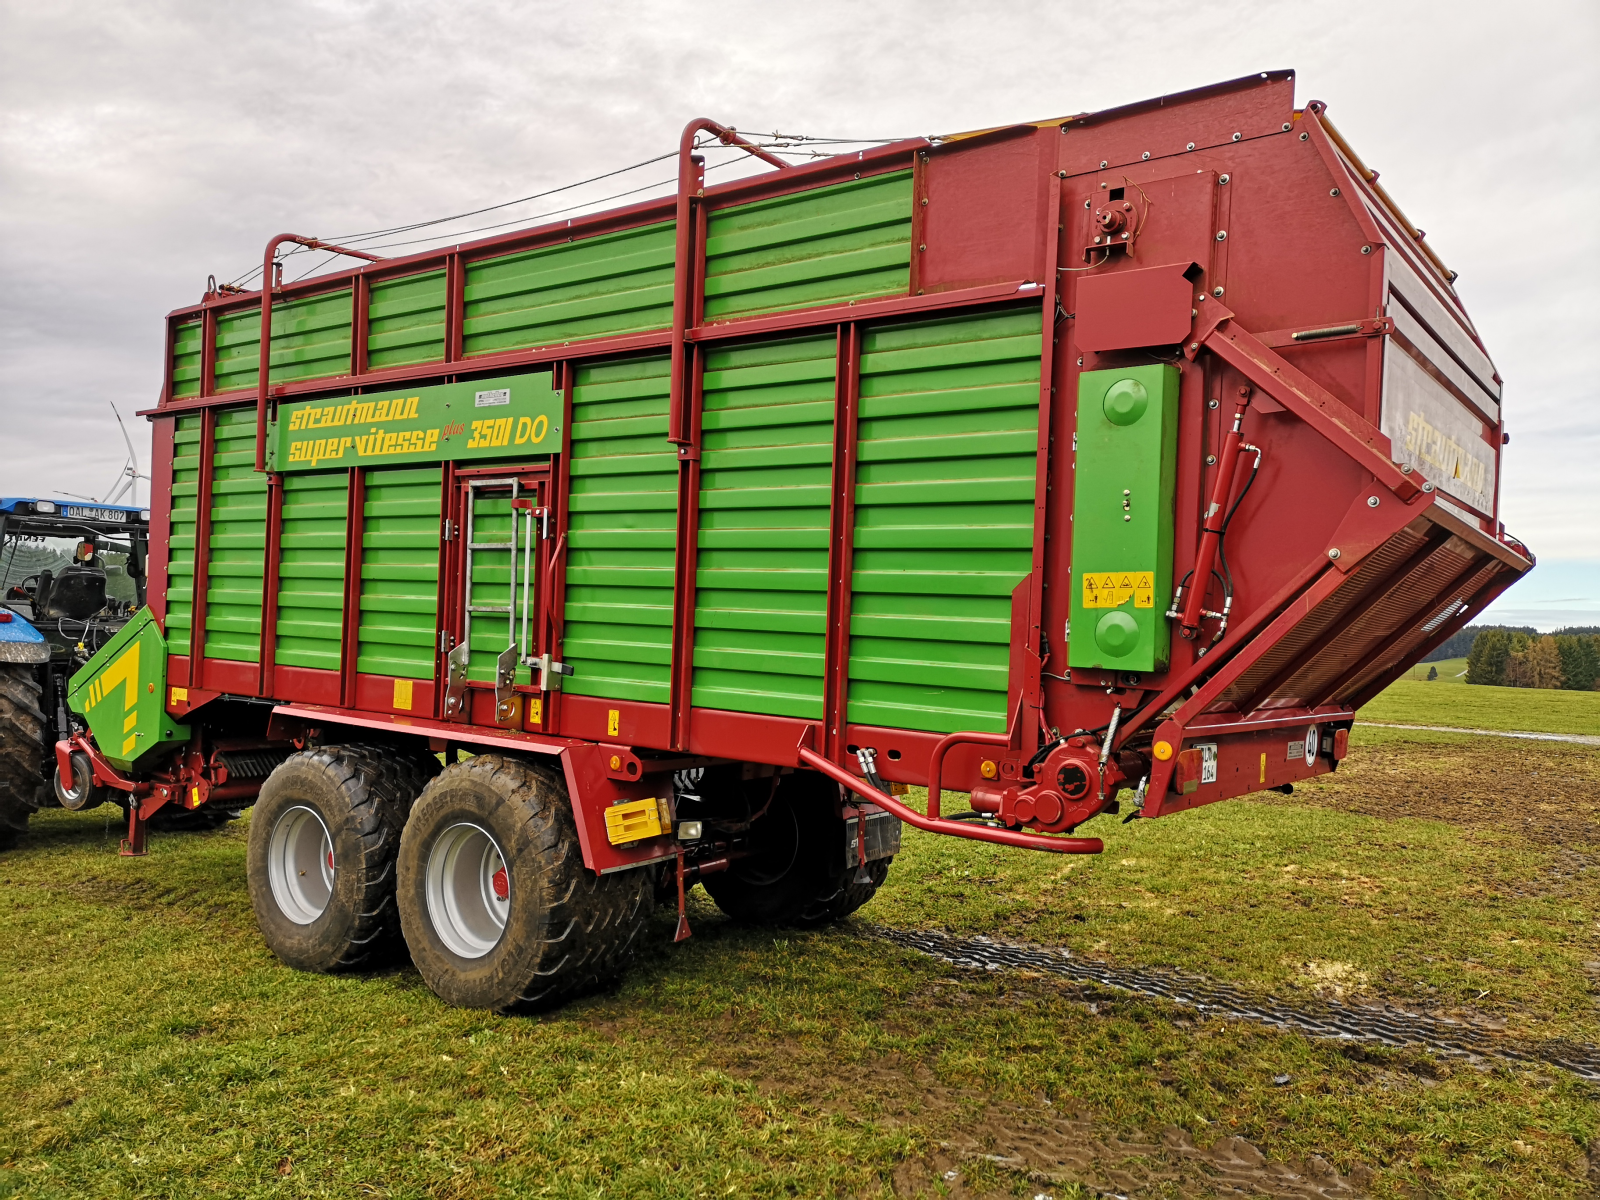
(1031, 685)
(556, 576)
(919, 212)
(360, 303)
(841, 540)
(686, 556)
(455, 291)
(355, 523)
(445, 586)
(202, 544)
(208, 352)
(269, 585)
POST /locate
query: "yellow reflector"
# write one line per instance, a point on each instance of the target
(633, 821)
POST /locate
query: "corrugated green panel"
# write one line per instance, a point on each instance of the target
(398, 633)
(236, 567)
(761, 578)
(617, 283)
(310, 340)
(845, 242)
(180, 542)
(238, 350)
(621, 533)
(491, 584)
(187, 342)
(944, 518)
(311, 569)
(405, 321)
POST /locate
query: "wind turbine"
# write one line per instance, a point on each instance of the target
(130, 475)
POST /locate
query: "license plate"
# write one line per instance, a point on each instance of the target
(95, 514)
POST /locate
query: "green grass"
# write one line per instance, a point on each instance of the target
(1412, 701)
(1451, 670)
(155, 1048)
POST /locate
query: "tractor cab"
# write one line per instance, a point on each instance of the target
(72, 562)
(75, 571)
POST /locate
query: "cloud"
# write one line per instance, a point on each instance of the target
(147, 146)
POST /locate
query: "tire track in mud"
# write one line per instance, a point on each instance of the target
(1386, 1025)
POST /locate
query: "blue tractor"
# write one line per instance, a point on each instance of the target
(72, 573)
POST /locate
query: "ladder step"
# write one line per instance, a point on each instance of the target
(505, 608)
(491, 545)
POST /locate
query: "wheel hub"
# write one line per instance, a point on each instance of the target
(468, 890)
(300, 865)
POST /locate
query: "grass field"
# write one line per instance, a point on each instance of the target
(1450, 700)
(155, 1048)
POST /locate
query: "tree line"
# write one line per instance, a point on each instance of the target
(1568, 658)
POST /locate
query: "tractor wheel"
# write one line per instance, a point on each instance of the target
(321, 859)
(796, 873)
(22, 751)
(498, 909)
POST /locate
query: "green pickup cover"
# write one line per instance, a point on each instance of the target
(122, 693)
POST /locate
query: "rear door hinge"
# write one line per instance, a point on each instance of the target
(449, 530)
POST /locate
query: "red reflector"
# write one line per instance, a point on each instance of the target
(1341, 744)
(5, 616)
(502, 885)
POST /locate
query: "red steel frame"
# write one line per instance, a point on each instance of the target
(1052, 167)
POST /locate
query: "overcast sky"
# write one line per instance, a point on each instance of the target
(145, 145)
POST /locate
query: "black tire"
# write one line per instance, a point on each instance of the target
(22, 751)
(361, 795)
(796, 874)
(565, 931)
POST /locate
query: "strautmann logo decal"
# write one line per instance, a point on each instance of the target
(425, 425)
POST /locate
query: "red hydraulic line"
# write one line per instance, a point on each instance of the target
(962, 829)
(267, 259)
(1215, 519)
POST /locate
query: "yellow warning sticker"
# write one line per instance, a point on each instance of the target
(402, 695)
(1113, 589)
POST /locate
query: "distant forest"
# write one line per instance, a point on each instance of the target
(1460, 645)
(1520, 656)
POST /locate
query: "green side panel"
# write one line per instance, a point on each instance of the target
(491, 584)
(187, 342)
(398, 633)
(122, 693)
(180, 542)
(237, 565)
(761, 579)
(405, 321)
(600, 286)
(310, 340)
(238, 362)
(850, 241)
(1124, 484)
(311, 570)
(621, 533)
(944, 518)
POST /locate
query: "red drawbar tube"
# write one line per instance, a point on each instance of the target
(978, 833)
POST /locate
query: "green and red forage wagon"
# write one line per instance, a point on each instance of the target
(1096, 464)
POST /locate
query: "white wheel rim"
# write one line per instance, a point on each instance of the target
(469, 890)
(300, 865)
